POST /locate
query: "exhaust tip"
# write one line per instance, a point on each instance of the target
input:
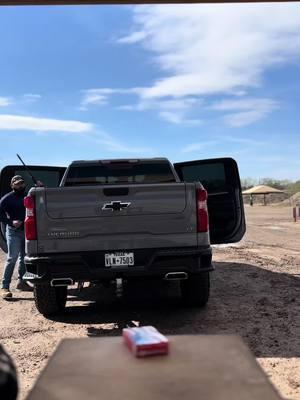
(61, 282)
(174, 276)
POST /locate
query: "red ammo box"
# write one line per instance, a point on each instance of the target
(145, 341)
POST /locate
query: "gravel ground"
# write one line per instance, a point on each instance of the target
(255, 293)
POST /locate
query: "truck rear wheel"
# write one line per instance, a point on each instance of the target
(195, 290)
(50, 300)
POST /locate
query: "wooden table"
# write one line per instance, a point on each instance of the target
(208, 367)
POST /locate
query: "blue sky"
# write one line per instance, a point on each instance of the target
(185, 82)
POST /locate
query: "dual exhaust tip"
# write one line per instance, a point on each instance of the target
(175, 276)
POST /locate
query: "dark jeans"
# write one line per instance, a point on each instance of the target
(16, 249)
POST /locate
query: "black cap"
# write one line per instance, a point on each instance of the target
(16, 179)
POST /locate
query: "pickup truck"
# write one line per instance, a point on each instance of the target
(106, 221)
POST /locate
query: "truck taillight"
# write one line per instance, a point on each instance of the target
(202, 213)
(30, 221)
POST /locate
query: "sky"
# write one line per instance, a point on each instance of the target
(185, 82)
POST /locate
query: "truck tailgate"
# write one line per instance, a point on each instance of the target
(116, 217)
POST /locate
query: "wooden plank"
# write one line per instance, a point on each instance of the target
(209, 367)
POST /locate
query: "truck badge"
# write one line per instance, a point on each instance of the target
(115, 206)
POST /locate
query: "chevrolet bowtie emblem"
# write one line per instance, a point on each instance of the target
(115, 206)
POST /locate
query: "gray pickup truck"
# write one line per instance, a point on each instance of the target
(104, 221)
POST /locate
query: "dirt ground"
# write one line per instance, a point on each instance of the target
(255, 293)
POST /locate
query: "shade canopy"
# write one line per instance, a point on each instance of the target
(262, 189)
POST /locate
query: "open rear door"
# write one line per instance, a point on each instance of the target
(50, 176)
(220, 177)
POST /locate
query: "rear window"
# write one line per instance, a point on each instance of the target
(119, 173)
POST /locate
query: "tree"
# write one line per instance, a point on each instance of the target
(248, 183)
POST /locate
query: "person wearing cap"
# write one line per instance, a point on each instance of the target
(12, 214)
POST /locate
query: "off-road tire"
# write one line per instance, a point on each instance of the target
(195, 290)
(50, 300)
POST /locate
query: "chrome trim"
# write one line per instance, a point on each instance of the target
(61, 282)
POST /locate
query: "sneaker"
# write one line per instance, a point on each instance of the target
(23, 286)
(6, 293)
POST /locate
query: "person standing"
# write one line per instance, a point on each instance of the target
(12, 214)
(251, 199)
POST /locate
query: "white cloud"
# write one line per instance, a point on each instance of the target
(127, 107)
(173, 117)
(248, 110)
(22, 123)
(178, 118)
(90, 132)
(242, 140)
(243, 118)
(31, 98)
(213, 49)
(168, 104)
(93, 97)
(204, 50)
(246, 104)
(221, 142)
(25, 98)
(171, 110)
(198, 146)
(133, 38)
(192, 84)
(114, 145)
(180, 104)
(100, 96)
(5, 101)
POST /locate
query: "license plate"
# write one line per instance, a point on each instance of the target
(119, 259)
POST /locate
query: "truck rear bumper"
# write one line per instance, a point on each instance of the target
(91, 266)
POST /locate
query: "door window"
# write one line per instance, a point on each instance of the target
(212, 176)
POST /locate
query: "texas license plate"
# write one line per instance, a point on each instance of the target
(119, 259)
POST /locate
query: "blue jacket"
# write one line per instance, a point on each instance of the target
(12, 208)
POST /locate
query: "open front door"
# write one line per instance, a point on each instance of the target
(220, 177)
(50, 176)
